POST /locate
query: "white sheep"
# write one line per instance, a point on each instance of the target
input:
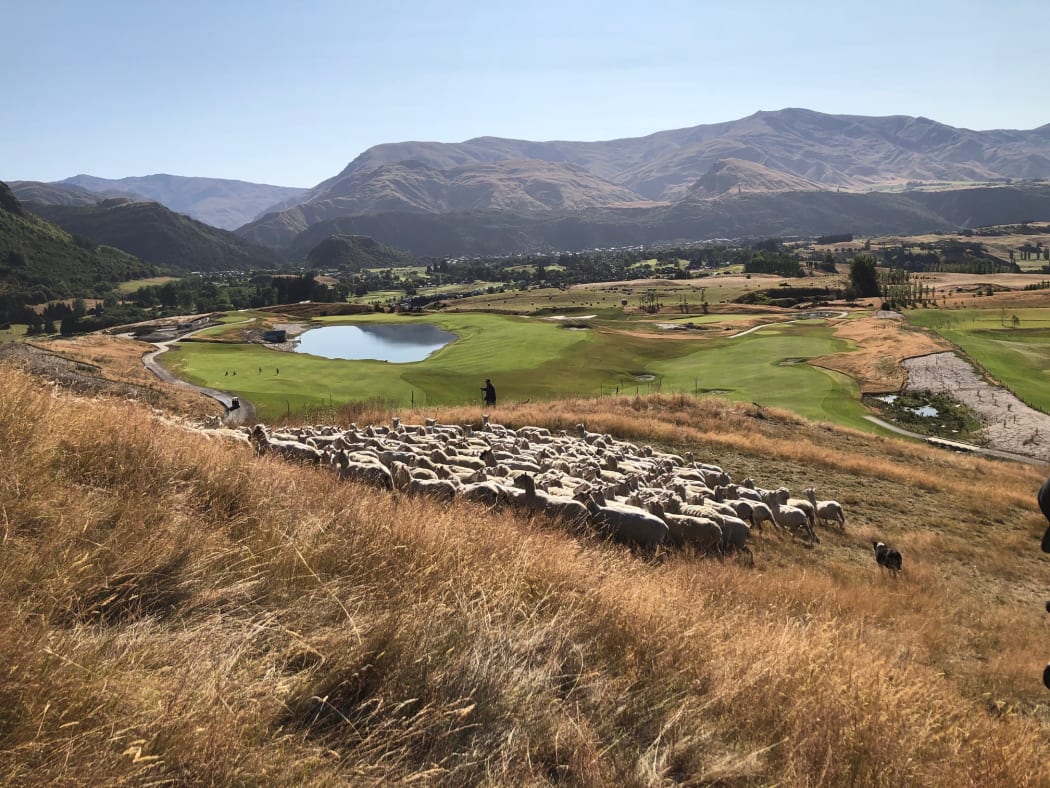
(827, 511)
(375, 474)
(790, 518)
(699, 532)
(557, 507)
(627, 524)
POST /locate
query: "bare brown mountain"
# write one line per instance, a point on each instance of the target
(737, 176)
(787, 150)
(514, 185)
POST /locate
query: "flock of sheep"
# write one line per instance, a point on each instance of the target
(631, 494)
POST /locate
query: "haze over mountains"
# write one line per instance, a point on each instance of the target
(793, 171)
(226, 204)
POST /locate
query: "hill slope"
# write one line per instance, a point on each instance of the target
(357, 637)
(735, 176)
(788, 150)
(60, 194)
(354, 252)
(847, 151)
(160, 236)
(753, 215)
(40, 262)
(222, 203)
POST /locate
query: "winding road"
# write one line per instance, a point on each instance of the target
(244, 414)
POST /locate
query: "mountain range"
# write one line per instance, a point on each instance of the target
(160, 236)
(793, 171)
(226, 204)
(789, 151)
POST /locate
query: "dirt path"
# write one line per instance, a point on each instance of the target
(1010, 425)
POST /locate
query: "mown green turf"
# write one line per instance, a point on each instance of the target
(1018, 357)
(531, 358)
(768, 367)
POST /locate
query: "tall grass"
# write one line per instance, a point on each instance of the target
(177, 610)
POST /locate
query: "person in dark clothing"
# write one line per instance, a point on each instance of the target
(490, 393)
(1043, 496)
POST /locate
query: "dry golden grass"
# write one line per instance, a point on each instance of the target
(120, 359)
(881, 345)
(177, 610)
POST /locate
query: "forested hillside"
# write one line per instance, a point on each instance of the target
(40, 262)
(160, 236)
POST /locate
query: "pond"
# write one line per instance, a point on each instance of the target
(397, 343)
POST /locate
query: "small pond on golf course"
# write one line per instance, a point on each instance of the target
(397, 343)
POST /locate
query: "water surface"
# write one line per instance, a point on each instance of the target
(397, 343)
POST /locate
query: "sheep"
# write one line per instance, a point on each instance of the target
(791, 518)
(587, 437)
(738, 492)
(754, 512)
(556, 507)
(290, 449)
(438, 489)
(735, 534)
(803, 504)
(375, 474)
(463, 460)
(887, 557)
(699, 532)
(827, 511)
(627, 525)
(487, 493)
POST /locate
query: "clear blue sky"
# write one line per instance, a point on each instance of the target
(289, 92)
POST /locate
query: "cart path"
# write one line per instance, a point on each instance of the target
(245, 414)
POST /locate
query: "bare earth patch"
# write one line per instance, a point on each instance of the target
(882, 344)
(1010, 425)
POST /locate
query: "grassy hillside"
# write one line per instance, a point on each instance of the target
(178, 610)
(39, 261)
(160, 236)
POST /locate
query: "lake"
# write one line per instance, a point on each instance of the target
(397, 343)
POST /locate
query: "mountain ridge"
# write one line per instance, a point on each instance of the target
(220, 202)
(786, 150)
(158, 235)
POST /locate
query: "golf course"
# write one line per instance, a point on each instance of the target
(533, 358)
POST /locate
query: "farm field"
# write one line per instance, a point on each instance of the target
(716, 290)
(15, 333)
(1016, 354)
(536, 359)
(998, 245)
(137, 284)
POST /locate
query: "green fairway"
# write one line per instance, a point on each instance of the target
(531, 358)
(768, 367)
(1017, 353)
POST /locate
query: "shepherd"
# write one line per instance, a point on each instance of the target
(490, 393)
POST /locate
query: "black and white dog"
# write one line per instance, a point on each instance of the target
(887, 557)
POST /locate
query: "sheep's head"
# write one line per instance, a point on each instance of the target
(526, 482)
